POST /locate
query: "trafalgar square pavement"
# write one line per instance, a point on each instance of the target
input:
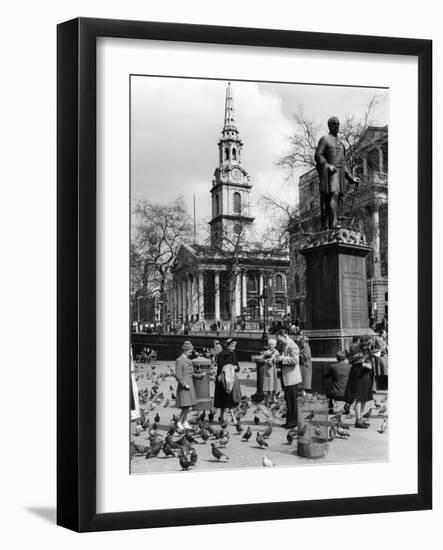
(362, 446)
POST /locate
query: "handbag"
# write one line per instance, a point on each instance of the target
(227, 377)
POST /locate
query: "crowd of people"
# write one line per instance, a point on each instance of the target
(287, 360)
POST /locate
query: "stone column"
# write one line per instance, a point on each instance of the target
(201, 296)
(189, 295)
(184, 305)
(376, 242)
(365, 166)
(217, 295)
(237, 294)
(380, 160)
(260, 292)
(244, 292)
(270, 294)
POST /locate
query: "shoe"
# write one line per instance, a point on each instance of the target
(361, 424)
(180, 426)
(186, 426)
(366, 422)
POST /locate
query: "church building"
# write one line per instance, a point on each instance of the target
(231, 278)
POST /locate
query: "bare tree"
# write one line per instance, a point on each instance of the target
(284, 216)
(159, 230)
(303, 142)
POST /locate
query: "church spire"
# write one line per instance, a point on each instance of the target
(229, 125)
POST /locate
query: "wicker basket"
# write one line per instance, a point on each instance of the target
(313, 449)
(312, 426)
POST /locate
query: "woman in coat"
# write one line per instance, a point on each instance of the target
(360, 381)
(222, 399)
(184, 373)
(271, 380)
(302, 342)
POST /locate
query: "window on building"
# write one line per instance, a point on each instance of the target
(251, 283)
(297, 310)
(234, 154)
(237, 229)
(217, 205)
(226, 153)
(279, 283)
(237, 203)
(297, 283)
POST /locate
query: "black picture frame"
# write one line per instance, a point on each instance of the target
(76, 280)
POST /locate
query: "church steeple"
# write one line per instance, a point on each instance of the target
(231, 186)
(229, 112)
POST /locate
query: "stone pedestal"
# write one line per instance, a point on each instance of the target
(336, 290)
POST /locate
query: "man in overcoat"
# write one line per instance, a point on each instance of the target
(291, 376)
(331, 166)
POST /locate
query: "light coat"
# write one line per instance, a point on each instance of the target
(290, 366)
(184, 373)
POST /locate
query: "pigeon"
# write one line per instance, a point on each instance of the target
(211, 416)
(138, 429)
(157, 418)
(224, 440)
(260, 440)
(310, 416)
(342, 433)
(204, 435)
(145, 422)
(337, 416)
(332, 432)
(166, 403)
(190, 438)
(217, 453)
(173, 396)
(301, 431)
(193, 457)
(202, 416)
(289, 438)
(167, 450)
(238, 427)
(184, 462)
(383, 426)
(247, 435)
(382, 410)
(267, 462)
(154, 450)
(256, 420)
(267, 433)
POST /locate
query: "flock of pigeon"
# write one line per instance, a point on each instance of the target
(171, 442)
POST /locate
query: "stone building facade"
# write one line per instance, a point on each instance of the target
(364, 209)
(230, 279)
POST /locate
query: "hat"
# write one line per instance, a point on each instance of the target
(230, 340)
(187, 346)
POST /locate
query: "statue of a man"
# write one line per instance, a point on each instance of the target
(331, 166)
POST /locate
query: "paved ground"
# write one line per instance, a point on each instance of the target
(362, 445)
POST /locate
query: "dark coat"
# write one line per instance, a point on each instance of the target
(222, 399)
(338, 374)
(360, 380)
(305, 359)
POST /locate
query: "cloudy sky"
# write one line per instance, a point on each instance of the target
(177, 122)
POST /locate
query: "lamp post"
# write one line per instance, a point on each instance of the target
(263, 298)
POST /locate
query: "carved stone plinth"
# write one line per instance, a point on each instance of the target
(336, 290)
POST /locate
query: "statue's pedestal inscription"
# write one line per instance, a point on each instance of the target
(336, 290)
